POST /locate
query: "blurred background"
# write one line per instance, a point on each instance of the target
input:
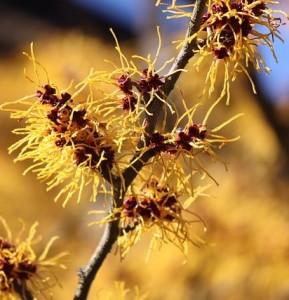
(247, 214)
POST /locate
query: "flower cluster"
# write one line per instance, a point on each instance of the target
(128, 101)
(159, 207)
(185, 139)
(72, 128)
(231, 26)
(85, 143)
(149, 81)
(230, 34)
(138, 84)
(155, 203)
(65, 140)
(21, 268)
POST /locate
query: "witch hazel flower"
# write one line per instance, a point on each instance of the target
(165, 189)
(139, 80)
(74, 143)
(66, 142)
(157, 207)
(133, 76)
(186, 145)
(22, 270)
(230, 35)
(84, 138)
(128, 88)
(148, 81)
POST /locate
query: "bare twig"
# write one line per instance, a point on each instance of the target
(111, 232)
(155, 108)
(22, 291)
(87, 274)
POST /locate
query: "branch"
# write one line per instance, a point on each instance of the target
(87, 274)
(187, 51)
(111, 232)
(155, 108)
(22, 291)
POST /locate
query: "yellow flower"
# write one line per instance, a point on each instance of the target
(179, 153)
(162, 194)
(65, 141)
(137, 79)
(230, 34)
(85, 138)
(21, 269)
(161, 209)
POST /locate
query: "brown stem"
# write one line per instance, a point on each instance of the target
(155, 108)
(87, 274)
(23, 291)
(187, 51)
(111, 232)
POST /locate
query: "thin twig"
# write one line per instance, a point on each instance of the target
(88, 273)
(23, 291)
(111, 231)
(155, 108)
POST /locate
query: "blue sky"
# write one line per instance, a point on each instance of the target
(276, 84)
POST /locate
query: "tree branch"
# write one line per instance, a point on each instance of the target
(88, 273)
(23, 291)
(111, 232)
(155, 108)
(187, 51)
